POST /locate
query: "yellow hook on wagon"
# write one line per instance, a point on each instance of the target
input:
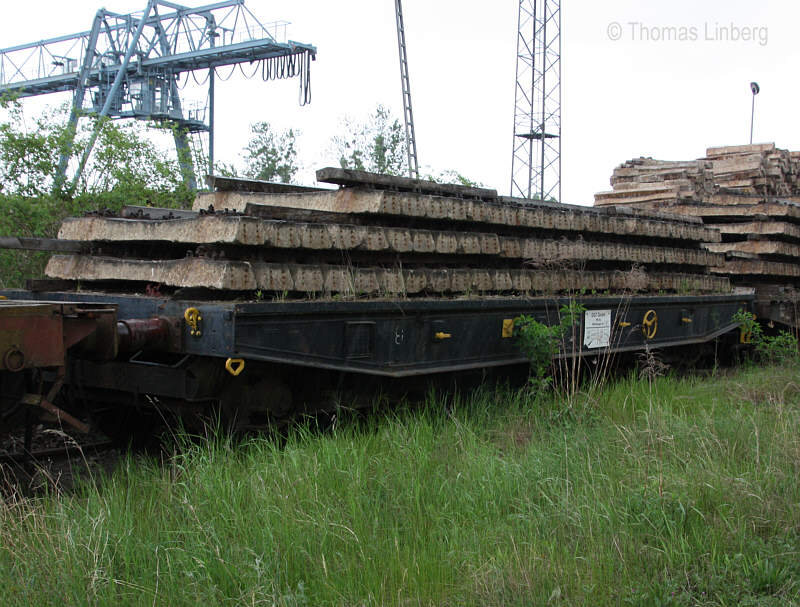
(234, 366)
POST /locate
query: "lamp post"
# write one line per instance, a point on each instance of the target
(754, 88)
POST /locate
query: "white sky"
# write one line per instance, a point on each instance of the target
(622, 98)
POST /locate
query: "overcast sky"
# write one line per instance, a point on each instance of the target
(662, 79)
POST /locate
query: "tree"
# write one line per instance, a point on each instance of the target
(126, 162)
(28, 157)
(377, 146)
(454, 177)
(125, 167)
(270, 155)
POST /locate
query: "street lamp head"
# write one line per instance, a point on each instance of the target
(755, 88)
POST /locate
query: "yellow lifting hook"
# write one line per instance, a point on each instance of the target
(193, 318)
(234, 366)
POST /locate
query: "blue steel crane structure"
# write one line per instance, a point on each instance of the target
(129, 66)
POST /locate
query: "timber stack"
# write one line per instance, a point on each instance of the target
(379, 236)
(749, 193)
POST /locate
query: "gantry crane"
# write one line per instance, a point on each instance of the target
(129, 66)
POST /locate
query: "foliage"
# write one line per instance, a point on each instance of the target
(124, 165)
(540, 342)
(780, 348)
(28, 157)
(685, 494)
(26, 217)
(271, 155)
(128, 167)
(125, 168)
(453, 177)
(224, 169)
(377, 146)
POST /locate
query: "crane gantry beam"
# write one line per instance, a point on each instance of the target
(131, 64)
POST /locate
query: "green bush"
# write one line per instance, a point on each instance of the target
(540, 342)
(779, 349)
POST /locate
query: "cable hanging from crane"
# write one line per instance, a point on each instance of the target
(305, 79)
(274, 68)
(230, 75)
(289, 66)
(255, 70)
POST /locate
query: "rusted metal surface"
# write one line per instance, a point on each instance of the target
(46, 404)
(39, 334)
(142, 334)
(91, 330)
(31, 335)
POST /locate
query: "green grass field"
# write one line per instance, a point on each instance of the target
(663, 492)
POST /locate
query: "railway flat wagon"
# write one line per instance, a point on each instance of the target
(265, 301)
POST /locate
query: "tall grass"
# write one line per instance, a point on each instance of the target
(660, 492)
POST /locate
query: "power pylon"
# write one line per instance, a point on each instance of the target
(536, 158)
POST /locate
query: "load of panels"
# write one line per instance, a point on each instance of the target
(381, 236)
(749, 193)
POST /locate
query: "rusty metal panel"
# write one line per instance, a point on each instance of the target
(31, 335)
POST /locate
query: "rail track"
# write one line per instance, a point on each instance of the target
(57, 453)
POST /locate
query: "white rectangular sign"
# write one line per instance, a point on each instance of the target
(596, 328)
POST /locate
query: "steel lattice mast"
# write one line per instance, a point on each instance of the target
(536, 158)
(130, 66)
(408, 115)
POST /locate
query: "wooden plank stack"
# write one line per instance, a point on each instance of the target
(379, 236)
(753, 200)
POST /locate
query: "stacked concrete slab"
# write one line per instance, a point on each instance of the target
(645, 180)
(382, 236)
(752, 170)
(753, 200)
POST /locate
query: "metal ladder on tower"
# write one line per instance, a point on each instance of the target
(408, 116)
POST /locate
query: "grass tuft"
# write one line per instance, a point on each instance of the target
(663, 491)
